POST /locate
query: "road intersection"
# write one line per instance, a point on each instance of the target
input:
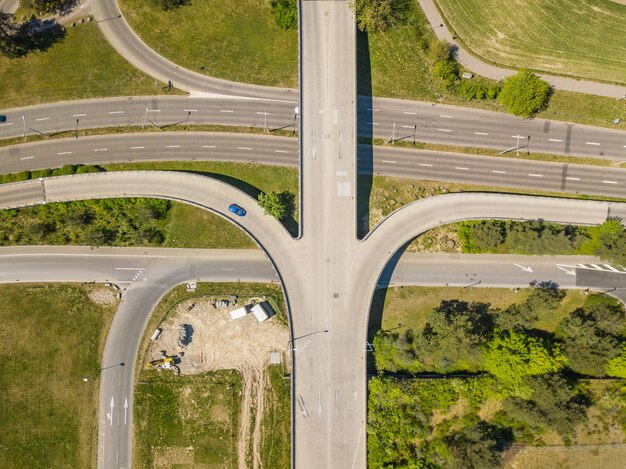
(328, 275)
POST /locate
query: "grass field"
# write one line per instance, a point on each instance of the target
(581, 38)
(410, 305)
(82, 65)
(52, 337)
(220, 38)
(275, 444)
(184, 421)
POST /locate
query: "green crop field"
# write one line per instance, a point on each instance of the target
(581, 38)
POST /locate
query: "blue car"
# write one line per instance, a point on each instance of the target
(237, 210)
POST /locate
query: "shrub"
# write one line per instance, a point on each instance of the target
(273, 205)
(616, 367)
(524, 94)
(472, 90)
(285, 13)
(448, 71)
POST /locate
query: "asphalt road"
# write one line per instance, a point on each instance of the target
(381, 118)
(266, 149)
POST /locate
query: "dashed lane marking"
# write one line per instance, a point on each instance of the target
(42, 119)
(389, 161)
(281, 151)
(461, 168)
(592, 143)
(609, 182)
(172, 146)
(533, 175)
(481, 133)
(8, 123)
(208, 146)
(555, 140)
(424, 164)
(572, 179)
(116, 112)
(27, 158)
(498, 172)
(79, 115)
(447, 117)
(245, 148)
(226, 110)
(136, 148)
(410, 113)
(65, 153)
(444, 130)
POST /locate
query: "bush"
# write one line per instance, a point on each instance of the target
(524, 94)
(273, 205)
(478, 447)
(448, 71)
(472, 90)
(285, 13)
(612, 241)
(616, 367)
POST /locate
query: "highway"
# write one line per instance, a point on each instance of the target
(383, 118)
(283, 151)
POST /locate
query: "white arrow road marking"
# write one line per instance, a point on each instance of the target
(525, 269)
(570, 271)
(110, 414)
(125, 409)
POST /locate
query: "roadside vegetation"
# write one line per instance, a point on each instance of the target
(564, 37)
(52, 337)
(521, 368)
(84, 66)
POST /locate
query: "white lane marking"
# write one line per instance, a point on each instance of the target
(27, 158)
(227, 269)
(172, 146)
(79, 115)
(517, 136)
(498, 172)
(153, 110)
(335, 116)
(592, 143)
(444, 130)
(264, 113)
(245, 148)
(8, 123)
(130, 268)
(208, 146)
(100, 149)
(190, 110)
(461, 168)
(424, 164)
(116, 112)
(447, 117)
(42, 119)
(281, 151)
(555, 140)
(408, 126)
(136, 148)
(372, 109)
(533, 175)
(372, 123)
(389, 161)
(226, 110)
(624, 146)
(410, 113)
(481, 133)
(609, 182)
(65, 153)
(526, 269)
(572, 179)
(610, 267)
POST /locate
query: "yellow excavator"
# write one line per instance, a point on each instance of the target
(164, 363)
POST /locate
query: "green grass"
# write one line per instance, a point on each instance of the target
(580, 38)
(232, 40)
(52, 337)
(82, 65)
(275, 443)
(410, 305)
(181, 421)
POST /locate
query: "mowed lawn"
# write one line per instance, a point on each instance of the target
(82, 65)
(52, 336)
(234, 40)
(581, 38)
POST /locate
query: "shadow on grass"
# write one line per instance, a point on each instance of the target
(289, 222)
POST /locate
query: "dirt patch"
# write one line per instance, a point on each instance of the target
(215, 342)
(567, 457)
(489, 409)
(103, 296)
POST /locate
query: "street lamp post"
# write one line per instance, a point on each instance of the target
(293, 341)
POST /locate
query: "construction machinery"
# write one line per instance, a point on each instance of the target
(164, 363)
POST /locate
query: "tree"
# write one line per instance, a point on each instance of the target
(18, 39)
(394, 352)
(448, 71)
(554, 403)
(285, 13)
(377, 15)
(616, 367)
(591, 337)
(273, 205)
(49, 6)
(510, 356)
(524, 94)
(612, 241)
(478, 447)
